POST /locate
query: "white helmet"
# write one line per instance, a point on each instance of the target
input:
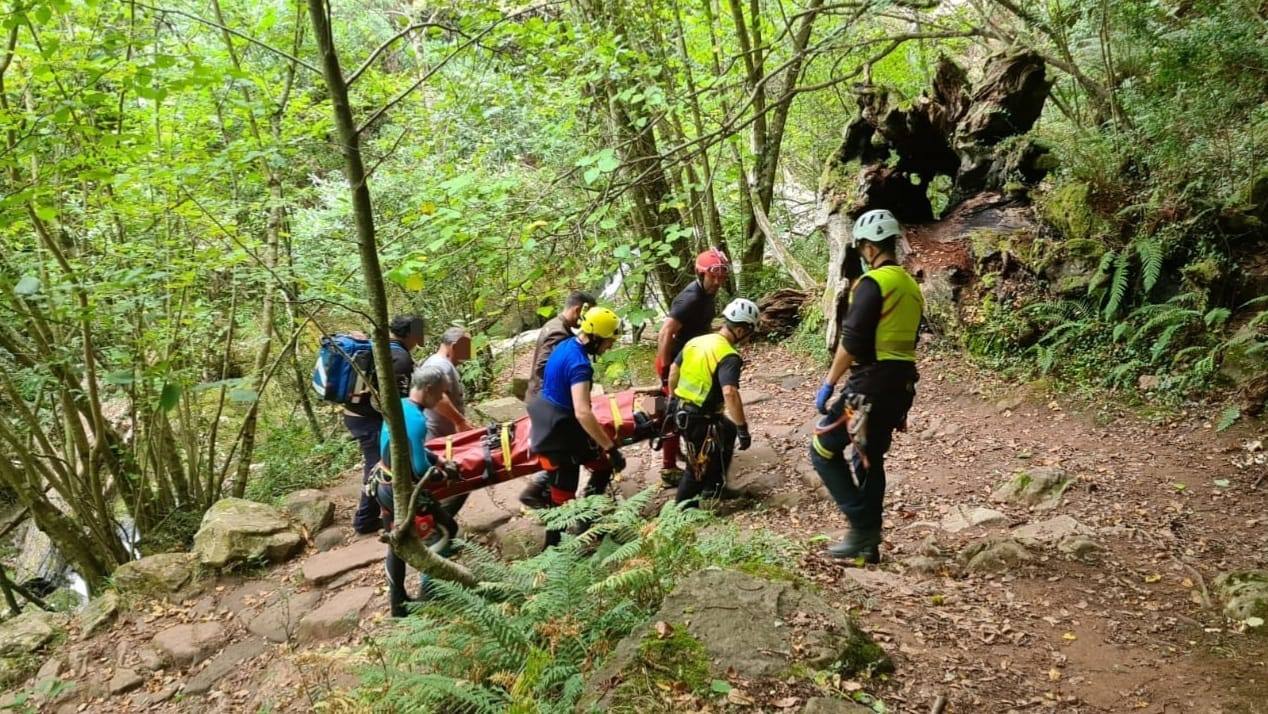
(875, 226)
(742, 311)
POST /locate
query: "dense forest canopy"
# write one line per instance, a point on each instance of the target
(178, 227)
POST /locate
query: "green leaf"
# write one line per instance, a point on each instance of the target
(1228, 418)
(119, 378)
(1221, 482)
(673, 261)
(608, 161)
(45, 213)
(1254, 621)
(719, 686)
(592, 174)
(27, 286)
(546, 311)
(170, 396)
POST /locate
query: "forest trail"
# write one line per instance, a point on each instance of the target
(1163, 507)
(1164, 503)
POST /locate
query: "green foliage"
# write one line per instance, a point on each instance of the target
(292, 459)
(526, 637)
(621, 367)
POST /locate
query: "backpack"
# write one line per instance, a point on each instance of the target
(341, 363)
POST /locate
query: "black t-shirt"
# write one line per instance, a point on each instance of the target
(858, 337)
(402, 367)
(693, 308)
(727, 375)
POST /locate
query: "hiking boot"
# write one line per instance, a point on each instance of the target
(857, 545)
(536, 494)
(669, 478)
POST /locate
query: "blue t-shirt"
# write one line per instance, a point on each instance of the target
(416, 429)
(568, 365)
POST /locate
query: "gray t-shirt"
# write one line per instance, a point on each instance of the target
(438, 425)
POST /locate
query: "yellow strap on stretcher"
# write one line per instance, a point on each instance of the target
(448, 448)
(506, 445)
(616, 415)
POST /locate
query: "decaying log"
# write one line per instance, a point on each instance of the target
(892, 152)
(781, 312)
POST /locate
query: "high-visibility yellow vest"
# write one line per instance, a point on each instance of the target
(700, 358)
(901, 305)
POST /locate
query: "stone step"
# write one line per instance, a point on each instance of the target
(280, 621)
(337, 617)
(324, 566)
(224, 663)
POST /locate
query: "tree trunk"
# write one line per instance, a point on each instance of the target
(403, 540)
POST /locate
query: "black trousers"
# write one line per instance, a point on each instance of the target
(859, 491)
(366, 430)
(706, 480)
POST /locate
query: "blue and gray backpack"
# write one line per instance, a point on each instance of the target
(344, 363)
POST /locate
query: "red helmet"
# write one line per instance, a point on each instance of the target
(713, 261)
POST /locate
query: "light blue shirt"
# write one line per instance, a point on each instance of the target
(416, 431)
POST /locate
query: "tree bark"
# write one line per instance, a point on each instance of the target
(403, 540)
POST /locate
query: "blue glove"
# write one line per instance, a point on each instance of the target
(821, 399)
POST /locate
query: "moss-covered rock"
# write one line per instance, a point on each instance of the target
(1244, 593)
(1068, 209)
(786, 628)
(162, 573)
(1040, 488)
(1244, 357)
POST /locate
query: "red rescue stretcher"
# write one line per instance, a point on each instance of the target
(500, 452)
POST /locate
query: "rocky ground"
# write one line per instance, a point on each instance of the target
(1087, 585)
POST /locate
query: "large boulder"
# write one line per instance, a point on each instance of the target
(163, 573)
(310, 508)
(98, 614)
(784, 626)
(1245, 593)
(235, 530)
(28, 632)
(1041, 488)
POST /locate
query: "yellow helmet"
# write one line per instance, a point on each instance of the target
(600, 322)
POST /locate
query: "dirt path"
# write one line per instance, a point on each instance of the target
(1127, 631)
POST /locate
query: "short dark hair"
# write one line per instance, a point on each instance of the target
(403, 326)
(889, 245)
(577, 299)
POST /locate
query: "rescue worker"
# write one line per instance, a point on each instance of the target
(427, 387)
(557, 329)
(364, 422)
(690, 316)
(564, 432)
(706, 405)
(448, 417)
(878, 349)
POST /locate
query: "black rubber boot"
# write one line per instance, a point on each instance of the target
(858, 545)
(537, 493)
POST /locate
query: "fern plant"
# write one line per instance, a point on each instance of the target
(524, 639)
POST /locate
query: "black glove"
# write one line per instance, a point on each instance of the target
(616, 458)
(746, 439)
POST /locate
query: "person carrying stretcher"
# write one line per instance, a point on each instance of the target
(564, 433)
(707, 409)
(426, 388)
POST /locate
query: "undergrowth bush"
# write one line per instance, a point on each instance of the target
(293, 459)
(527, 636)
